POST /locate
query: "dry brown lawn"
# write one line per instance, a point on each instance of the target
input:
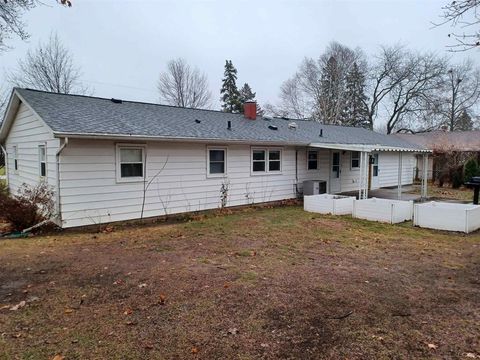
(257, 284)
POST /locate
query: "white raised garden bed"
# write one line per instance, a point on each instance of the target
(383, 210)
(447, 216)
(329, 204)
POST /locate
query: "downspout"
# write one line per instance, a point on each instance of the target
(58, 205)
(5, 156)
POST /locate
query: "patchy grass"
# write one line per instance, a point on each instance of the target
(272, 284)
(437, 192)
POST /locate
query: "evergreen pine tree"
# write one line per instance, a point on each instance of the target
(464, 122)
(246, 93)
(355, 113)
(330, 83)
(230, 94)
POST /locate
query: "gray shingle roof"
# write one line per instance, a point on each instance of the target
(442, 141)
(73, 114)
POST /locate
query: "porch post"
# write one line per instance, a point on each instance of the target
(400, 166)
(360, 180)
(363, 180)
(425, 176)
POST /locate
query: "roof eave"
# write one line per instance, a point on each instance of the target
(126, 137)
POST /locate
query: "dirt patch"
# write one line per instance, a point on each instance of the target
(268, 284)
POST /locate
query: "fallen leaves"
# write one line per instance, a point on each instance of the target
(58, 357)
(432, 346)
(162, 299)
(194, 350)
(68, 311)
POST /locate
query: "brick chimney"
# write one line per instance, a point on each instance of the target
(250, 110)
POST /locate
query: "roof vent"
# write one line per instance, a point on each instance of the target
(267, 118)
(293, 125)
(198, 121)
(321, 133)
(273, 127)
(116, 101)
(229, 125)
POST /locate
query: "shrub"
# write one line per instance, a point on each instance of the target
(457, 178)
(471, 169)
(29, 207)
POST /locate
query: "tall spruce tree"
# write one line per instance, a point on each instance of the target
(355, 112)
(464, 122)
(246, 93)
(230, 94)
(331, 88)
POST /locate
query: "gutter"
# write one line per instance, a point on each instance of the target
(58, 204)
(6, 162)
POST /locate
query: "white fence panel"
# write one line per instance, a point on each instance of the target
(447, 216)
(383, 210)
(329, 204)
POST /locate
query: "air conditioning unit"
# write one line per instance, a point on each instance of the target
(314, 187)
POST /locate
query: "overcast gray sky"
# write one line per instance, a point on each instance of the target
(122, 46)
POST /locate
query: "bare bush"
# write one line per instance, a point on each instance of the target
(30, 206)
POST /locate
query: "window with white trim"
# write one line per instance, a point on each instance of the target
(266, 160)
(355, 161)
(259, 160)
(217, 161)
(274, 160)
(15, 158)
(42, 160)
(130, 162)
(312, 159)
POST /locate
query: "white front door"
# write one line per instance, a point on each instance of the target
(335, 172)
(375, 170)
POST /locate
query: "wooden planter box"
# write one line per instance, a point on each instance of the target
(383, 210)
(447, 216)
(328, 204)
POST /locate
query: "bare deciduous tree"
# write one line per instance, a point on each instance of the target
(466, 15)
(180, 85)
(49, 67)
(460, 91)
(308, 94)
(11, 12)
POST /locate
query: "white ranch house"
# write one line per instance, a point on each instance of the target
(108, 159)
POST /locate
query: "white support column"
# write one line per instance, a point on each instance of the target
(424, 191)
(363, 179)
(400, 166)
(360, 179)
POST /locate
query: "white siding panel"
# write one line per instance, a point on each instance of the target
(90, 193)
(27, 133)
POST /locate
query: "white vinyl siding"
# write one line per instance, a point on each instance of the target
(91, 194)
(27, 133)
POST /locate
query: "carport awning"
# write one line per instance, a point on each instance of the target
(365, 147)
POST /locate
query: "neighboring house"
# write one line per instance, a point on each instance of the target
(463, 143)
(112, 160)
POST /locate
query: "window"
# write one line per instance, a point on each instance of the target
(312, 159)
(217, 161)
(42, 160)
(266, 160)
(258, 160)
(274, 160)
(130, 162)
(355, 159)
(375, 164)
(15, 158)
